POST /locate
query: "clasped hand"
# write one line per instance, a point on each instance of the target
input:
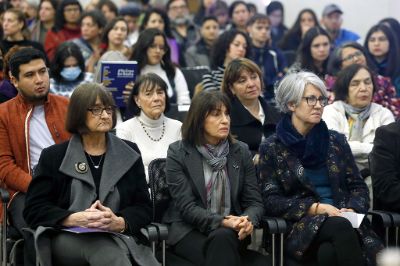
(241, 224)
(96, 216)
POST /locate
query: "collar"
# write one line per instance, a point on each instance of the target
(152, 123)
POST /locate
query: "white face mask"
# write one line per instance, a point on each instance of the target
(70, 73)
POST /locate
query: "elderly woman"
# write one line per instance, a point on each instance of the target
(149, 128)
(83, 185)
(252, 119)
(215, 198)
(353, 113)
(309, 177)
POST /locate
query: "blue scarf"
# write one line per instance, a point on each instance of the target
(312, 150)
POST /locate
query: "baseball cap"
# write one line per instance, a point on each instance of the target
(329, 9)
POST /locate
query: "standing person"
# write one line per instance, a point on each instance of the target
(30, 122)
(332, 21)
(47, 17)
(269, 59)
(215, 198)
(276, 17)
(309, 178)
(239, 14)
(66, 26)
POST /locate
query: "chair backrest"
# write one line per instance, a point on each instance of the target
(158, 187)
(194, 76)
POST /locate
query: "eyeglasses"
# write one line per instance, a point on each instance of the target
(98, 111)
(312, 100)
(352, 57)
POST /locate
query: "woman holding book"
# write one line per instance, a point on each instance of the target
(84, 183)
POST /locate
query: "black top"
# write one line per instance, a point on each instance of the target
(97, 160)
(6, 45)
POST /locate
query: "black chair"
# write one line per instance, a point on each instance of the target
(194, 76)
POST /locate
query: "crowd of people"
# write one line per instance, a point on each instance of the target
(298, 123)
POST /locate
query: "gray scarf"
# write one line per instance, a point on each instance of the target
(218, 187)
(359, 115)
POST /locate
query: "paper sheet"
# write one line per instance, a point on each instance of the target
(354, 218)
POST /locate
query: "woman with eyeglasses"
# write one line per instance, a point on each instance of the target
(83, 186)
(308, 176)
(354, 115)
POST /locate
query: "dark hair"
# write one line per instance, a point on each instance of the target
(139, 54)
(170, 2)
(130, 9)
(257, 17)
(274, 5)
(22, 57)
(393, 66)
(84, 97)
(97, 17)
(221, 47)
(6, 59)
(202, 104)
(233, 72)
(305, 58)
(64, 51)
(60, 19)
(234, 5)
(53, 3)
(110, 4)
(163, 15)
(394, 25)
(207, 18)
(344, 77)
(252, 6)
(110, 25)
(335, 59)
(295, 31)
(151, 81)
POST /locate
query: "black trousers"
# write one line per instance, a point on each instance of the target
(221, 247)
(337, 243)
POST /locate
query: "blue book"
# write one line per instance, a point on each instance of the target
(115, 75)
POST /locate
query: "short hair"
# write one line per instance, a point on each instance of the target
(234, 5)
(291, 89)
(97, 17)
(170, 2)
(256, 18)
(60, 19)
(234, 70)
(207, 18)
(6, 59)
(64, 51)
(24, 56)
(202, 104)
(130, 9)
(84, 97)
(152, 81)
(344, 77)
(110, 25)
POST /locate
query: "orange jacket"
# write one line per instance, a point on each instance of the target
(15, 172)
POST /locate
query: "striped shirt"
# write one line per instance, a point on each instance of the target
(213, 80)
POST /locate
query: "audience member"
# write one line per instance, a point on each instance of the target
(269, 59)
(157, 18)
(131, 13)
(150, 129)
(332, 21)
(214, 206)
(230, 45)
(199, 54)
(252, 119)
(47, 17)
(114, 36)
(354, 53)
(30, 122)
(152, 53)
(394, 25)
(109, 9)
(313, 52)
(309, 178)
(382, 47)
(252, 9)
(276, 16)
(84, 183)
(30, 8)
(66, 26)
(68, 70)
(207, 8)
(221, 12)
(239, 14)
(293, 37)
(14, 25)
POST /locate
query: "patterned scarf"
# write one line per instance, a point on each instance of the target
(359, 115)
(218, 187)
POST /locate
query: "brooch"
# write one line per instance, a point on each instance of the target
(81, 168)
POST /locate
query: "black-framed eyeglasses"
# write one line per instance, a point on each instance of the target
(351, 57)
(312, 100)
(97, 111)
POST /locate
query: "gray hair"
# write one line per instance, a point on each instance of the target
(291, 88)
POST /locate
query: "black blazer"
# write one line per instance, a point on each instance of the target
(185, 178)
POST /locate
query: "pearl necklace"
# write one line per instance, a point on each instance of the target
(147, 133)
(98, 165)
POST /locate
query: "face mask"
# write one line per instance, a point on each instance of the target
(71, 73)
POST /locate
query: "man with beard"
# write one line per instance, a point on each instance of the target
(332, 21)
(183, 30)
(30, 122)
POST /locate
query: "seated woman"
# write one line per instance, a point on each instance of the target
(215, 198)
(84, 183)
(114, 36)
(252, 119)
(309, 177)
(149, 128)
(354, 115)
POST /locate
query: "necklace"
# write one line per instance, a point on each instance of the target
(98, 165)
(147, 133)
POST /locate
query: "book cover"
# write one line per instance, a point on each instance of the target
(85, 230)
(115, 75)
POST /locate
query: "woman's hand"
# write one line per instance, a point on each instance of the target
(346, 210)
(109, 221)
(322, 208)
(82, 218)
